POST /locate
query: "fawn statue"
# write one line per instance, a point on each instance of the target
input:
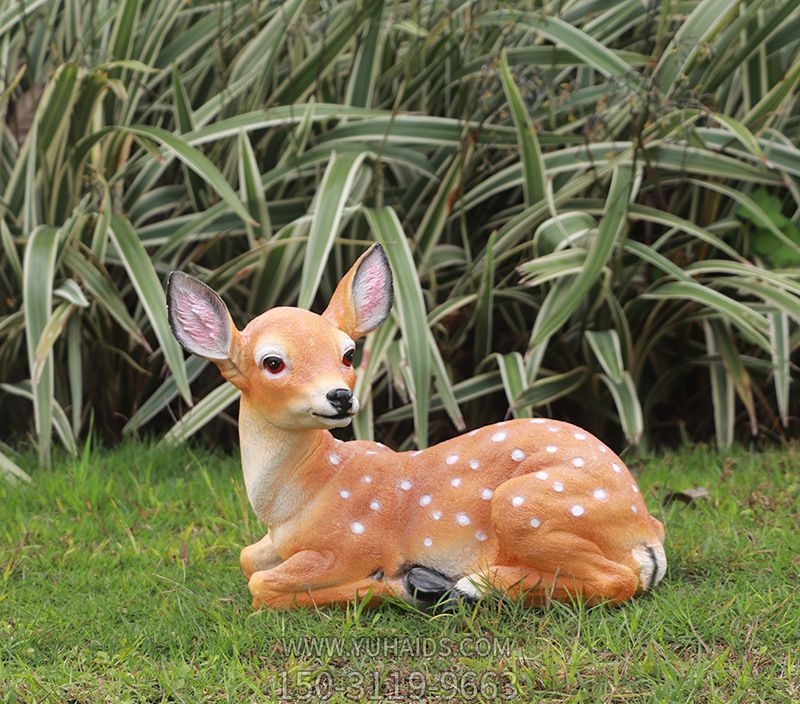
(533, 508)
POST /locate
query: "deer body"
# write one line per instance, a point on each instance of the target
(529, 506)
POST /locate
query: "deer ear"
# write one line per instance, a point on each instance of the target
(199, 319)
(363, 298)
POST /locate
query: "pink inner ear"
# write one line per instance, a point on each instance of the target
(372, 293)
(200, 322)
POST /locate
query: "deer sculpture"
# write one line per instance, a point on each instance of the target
(535, 508)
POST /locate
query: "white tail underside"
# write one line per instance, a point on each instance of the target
(653, 563)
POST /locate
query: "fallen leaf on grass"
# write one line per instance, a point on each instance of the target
(688, 496)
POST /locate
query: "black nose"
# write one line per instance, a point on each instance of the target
(341, 399)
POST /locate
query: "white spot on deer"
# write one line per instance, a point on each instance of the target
(452, 459)
(577, 510)
(436, 515)
(535, 523)
(498, 437)
(635, 488)
(486, 493)
(344, 494)
(474, 464)
(538, 421)
(517, 455)
(480, 536)
(334, 459)
(472, 433)
(517, 501)
(579, 436)
(374, 504)
(370, 452)
(462, 519)
(405, 485)
(366, 479)
(415, 453)
(456, 482)
(603, 449)
(424, 500)
(427, 542)
(558, 486)
(600, 494)
(579, 462)
(616, 468)
(357, 528)
(634, 508)
(551, 449)
(552, 429)
(541, 474)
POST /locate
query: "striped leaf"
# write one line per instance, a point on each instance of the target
(11, 471)
(203, 412)
(531, 153)
(512, 372)
(38, 271)
(608, 232)
(410, 310)
(722, 392)
(329, 202)
(781, 362)
(145, 281)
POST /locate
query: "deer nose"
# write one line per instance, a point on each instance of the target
(340, 399)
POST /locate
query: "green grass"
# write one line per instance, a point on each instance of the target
(120, 582)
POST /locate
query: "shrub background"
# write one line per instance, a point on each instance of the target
(591, 208)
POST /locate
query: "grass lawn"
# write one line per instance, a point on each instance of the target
(120, 582)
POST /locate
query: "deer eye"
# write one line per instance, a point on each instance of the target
(273, 364)
(347, 358)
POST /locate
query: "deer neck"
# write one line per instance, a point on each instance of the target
(277, 465)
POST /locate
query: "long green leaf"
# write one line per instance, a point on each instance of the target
(198, 162)
(606, 347)
(564, 34)
(11, 470)
(629, 409)
(329, 202)
(531, 153)
(410, 309)
(722, 393)
(204, 411)
(145, 281)
(781, 362)
(608, 232)
(512, 372)
(163, 396)
(38, 272)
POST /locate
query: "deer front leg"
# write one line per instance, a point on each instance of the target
(258, 556)
(372, 589)
(305, 571)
